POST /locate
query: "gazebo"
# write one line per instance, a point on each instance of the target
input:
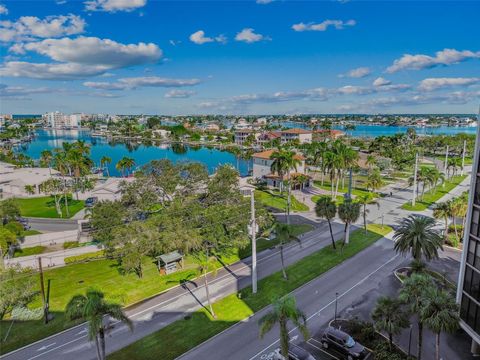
(169, 263)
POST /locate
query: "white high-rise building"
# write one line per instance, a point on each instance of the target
(54, 120)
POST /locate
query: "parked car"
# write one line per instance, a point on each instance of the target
(343, 343)
(91, 201)
(295, 352)
(24, 223)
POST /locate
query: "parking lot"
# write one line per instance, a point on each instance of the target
(314, 347)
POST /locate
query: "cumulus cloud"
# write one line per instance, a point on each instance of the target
(181, 94)
(3, 10)
(114, 5)
(21, 92)
(136, 82)
(354, 90)
(420, 61)
(357, 73)
(79, 58)
(380, 81)
(324, 25)
(199, 38)
(431, 84)
(29, 28)
(249, 36)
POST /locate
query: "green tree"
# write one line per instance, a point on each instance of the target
(417, 235)
(326, 208)
(443, 210)
(17, 288)
(9, 210)
(105, 216)
(349, 212)
(413, 294)
(124, 165)
(92, 307)
(30, 189)
(104, 162)
(439, 313)
(284, 310)
(364, 200)
(374, 180)
(7, 239)
(389, 316)
(46, 158)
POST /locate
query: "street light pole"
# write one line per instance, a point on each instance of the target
(415, 180)
(446, 161)
(463, 155)
(336, 300)
(254, 243)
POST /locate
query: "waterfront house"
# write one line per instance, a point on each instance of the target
(241, 136)
(268, 137)
(300, 135)
(325, 133)
(262, 164)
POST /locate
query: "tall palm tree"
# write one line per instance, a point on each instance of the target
(349, 212)
(374, 180)
(364, 200)
(413, 294)
(92, 307)
(371, 161)
(125, 164)
(443, 210)
(440, 314)
(326, 208)
(284, 310)
(416, 235)
(104, 162)
(389, 316)
(46, 158)
(284, 235)
(285, 161)
(459, 210)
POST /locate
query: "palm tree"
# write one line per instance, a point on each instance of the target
(106, 160)
(284, 235)
(125, 164)
(92, 307)
(349, 212)
(443, 210)
(371, 161)
(413, 294)
(209, 263)
(459, 210)
(440, 314)
(326, 208)
(364, 200)
(46, 158)
(284, 310)
(416, 235)
(374, 180)
(389, 316)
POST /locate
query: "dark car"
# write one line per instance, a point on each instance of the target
(91, 201)
(295, 352)
(24, 222)
(343, 343)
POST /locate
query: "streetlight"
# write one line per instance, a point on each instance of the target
(252, 230)
(336, 300)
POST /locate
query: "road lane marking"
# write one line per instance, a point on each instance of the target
(320, 348)
(44, 347)
(331, 302)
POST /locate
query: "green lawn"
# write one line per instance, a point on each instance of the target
(105, 275)
(182, 335)
(31, 232)
(356, 191)
(29, 251)
(275, 200)
(340, 198)
(431, 197)
(45, 207)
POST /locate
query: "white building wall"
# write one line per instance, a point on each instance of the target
(261, 167)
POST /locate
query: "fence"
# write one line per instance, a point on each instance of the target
(50, 239)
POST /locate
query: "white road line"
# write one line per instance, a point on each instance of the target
(319, 348)
(310, 236)
(331, 302)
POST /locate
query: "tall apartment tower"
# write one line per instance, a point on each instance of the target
(468, 293)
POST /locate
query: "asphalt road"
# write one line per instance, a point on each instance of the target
(52, 225)
(164, 309)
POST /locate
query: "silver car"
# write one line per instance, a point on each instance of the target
(295, 352)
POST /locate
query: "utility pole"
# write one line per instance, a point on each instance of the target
(253, 226)
(350, 184)
(463, 155)
(42, 290)
(415, 180)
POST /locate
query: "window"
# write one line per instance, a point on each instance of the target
(474, 229)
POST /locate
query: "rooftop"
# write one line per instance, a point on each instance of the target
(267, 154)
(296, 131)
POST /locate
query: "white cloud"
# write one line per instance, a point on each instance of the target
(114, 5)
(381, 82)
(146, 81)
(199, 38)
(431, 84)
(420, 61)
(264, 2)
(95, 51)
(3, 10)
(354, 90)
(64, 71)
(324, 25)
(20, 92)
(32, 27)
(357, 73)
(249, 36)
(179, 94)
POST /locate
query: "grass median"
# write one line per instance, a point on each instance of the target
(105, 274)
(44, 207)
(431, 197)
(183, 335)
(273, 199)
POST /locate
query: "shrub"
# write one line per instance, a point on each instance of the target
(23, 313)
(85, 257)
(35, 250)
(417, 266)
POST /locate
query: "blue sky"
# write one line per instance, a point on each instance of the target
(239, 57)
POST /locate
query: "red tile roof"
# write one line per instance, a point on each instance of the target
(267, 154)
(296, 131)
